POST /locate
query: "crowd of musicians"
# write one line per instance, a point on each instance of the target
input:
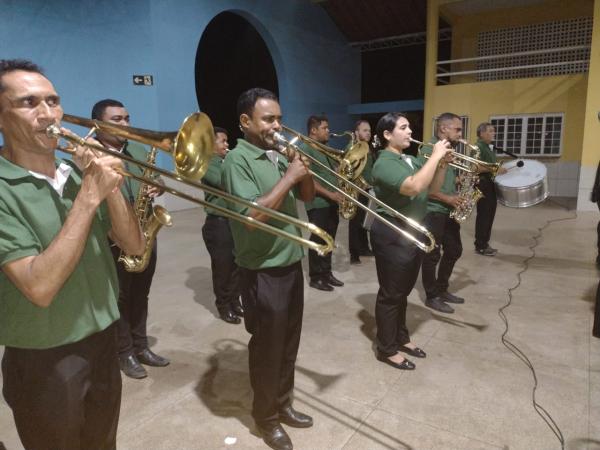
(72, 317)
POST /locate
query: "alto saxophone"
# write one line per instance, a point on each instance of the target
(151, 219)
(468, 193)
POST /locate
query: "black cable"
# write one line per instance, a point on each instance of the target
(539, 409)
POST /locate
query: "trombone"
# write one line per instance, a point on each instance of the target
(191, 148)
(285, 143)
(463, 162)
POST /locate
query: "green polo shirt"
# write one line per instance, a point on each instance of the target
(320, 202)
(389, 172)
(249, 173)
(32, 213)
(448, 186)
(131, 187)
(487, 155)
(212, 178)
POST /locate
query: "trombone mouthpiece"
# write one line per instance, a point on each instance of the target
(53, 131)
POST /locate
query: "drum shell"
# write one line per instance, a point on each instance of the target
(529, 194)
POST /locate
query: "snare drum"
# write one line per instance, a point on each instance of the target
(523, 186)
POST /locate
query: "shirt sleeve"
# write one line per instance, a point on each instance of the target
(17, 239)
(392, 174)
(212, 177)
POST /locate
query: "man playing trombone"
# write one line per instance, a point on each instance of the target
(58, 285)
(272, 283)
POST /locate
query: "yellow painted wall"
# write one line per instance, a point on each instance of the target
(479, 100)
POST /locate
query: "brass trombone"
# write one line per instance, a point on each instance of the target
(192, 149)
(463, 162)
(285, 143)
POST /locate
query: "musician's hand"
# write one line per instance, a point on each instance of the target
(155, 191)
(337, 197)
(441, 149)
(297, 169)
(455, 201)
(502, 170)
(82, 154)
(102, 177)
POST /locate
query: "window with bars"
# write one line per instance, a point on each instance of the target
(530, 135)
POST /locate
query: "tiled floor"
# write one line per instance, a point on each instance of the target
(469, 393)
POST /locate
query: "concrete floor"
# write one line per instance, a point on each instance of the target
(469, 393)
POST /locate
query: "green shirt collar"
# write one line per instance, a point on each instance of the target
(11, 171)
(257, 153)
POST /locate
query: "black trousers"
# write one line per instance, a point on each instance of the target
(225, 272)
(486, 211)
(397, 261)
(328, 220)
(273, 302)
(358, 242)
(446, 232)
(133, 304)
(65, 397)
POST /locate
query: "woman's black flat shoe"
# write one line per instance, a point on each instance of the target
(404, 365)
(416, 352)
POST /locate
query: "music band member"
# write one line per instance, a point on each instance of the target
(133, 287)
(400, 181)
(486, 206)
(272, 283)
(358, 240)
(219, 242)
(323, 210)
(445, 229)
(58, 285)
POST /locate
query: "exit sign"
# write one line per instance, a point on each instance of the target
(143, 80)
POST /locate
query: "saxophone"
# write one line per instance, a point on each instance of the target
(468, 192)
(151, 218)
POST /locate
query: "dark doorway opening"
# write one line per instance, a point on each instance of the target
(231, 58)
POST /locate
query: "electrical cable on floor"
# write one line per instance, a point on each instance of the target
(539, 409)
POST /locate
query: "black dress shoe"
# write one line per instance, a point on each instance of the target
(132, 367)
(321, 285)
(451, 298)
(230, 317)
(333, 280)
(276, 437)
(416, 352)
(237, 310)
(404, 365)
(438, 304)
(294, 418)
(355, 261)
(150, 358)
(488, 251)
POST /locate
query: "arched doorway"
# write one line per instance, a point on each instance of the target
(231, 58)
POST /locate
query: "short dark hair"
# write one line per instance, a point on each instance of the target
(248, 99)
(99, 108)
(12, 65)
(387, 123)
(220, 130)
(315, 121)
(358, 122)
(482, 127)
(444, 118)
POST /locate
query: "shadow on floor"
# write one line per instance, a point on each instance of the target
(199, 280)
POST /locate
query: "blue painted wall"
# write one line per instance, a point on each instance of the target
(91, 48)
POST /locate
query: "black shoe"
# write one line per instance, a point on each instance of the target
(451, 298)
(321, 285)
(367, 253)
(488, 251)
(416, 352)
(293, 418)
(330, 279)
(230, 317)
(438, 304)
(150, 358)
(132, 367)
(404, 365)
(238, 310)
(276, 437)
(355, 261)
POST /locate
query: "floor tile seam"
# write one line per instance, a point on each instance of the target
(437, 427)
(181, 395)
